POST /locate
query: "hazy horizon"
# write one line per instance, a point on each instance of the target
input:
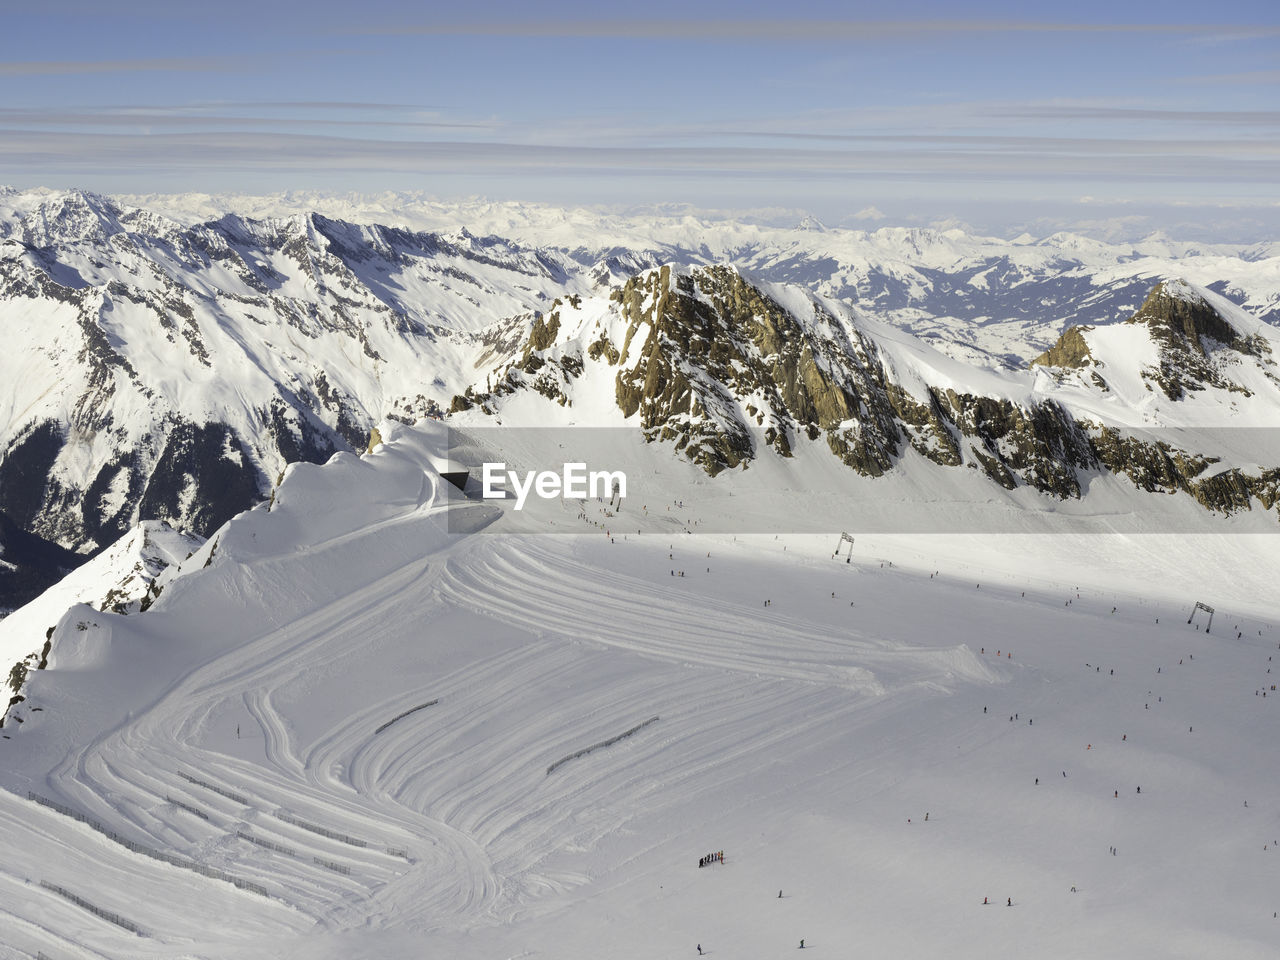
(1119, 120)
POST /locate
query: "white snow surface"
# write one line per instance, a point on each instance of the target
(376, 680)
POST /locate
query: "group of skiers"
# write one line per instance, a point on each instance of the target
(718, 857)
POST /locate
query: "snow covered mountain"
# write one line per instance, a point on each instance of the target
(371, 715)
(169, 366)
(166, 372)
(702, 358)
(978, 297)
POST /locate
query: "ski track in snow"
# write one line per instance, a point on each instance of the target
(538, 591)
(449, 820)
(455, 804)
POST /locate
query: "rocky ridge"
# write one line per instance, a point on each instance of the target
(724, 371)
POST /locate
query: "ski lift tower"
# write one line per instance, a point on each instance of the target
(844, 538)
(1207, 609)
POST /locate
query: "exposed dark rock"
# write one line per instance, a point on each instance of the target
(106, 518)
(1157, 466)
(1041, 446)
(202, 479)
(1071, 351)
(25, 469)
(297, 436)
(1190, 333)
(30, 565)
(545, 327)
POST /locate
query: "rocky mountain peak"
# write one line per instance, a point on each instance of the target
(1071, 351)
(72, 216)
(1198, 344)
(1180, 317)
(1196, 341)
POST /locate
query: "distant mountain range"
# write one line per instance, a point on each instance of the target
(167, 366)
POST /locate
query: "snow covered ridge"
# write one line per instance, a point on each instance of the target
(121, 579)
(170, 367)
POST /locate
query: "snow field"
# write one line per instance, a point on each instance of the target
(807, 739)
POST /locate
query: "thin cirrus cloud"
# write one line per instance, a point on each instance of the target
(154, 118)
(193, 64)
(72, 152)
(307, 105)
(49, 68)
(1024, 145)
(1249, 118)
(1240, 78)
(806, 30)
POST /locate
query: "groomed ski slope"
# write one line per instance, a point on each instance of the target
(381, 730)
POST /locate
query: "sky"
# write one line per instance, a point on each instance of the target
(1114, 117)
